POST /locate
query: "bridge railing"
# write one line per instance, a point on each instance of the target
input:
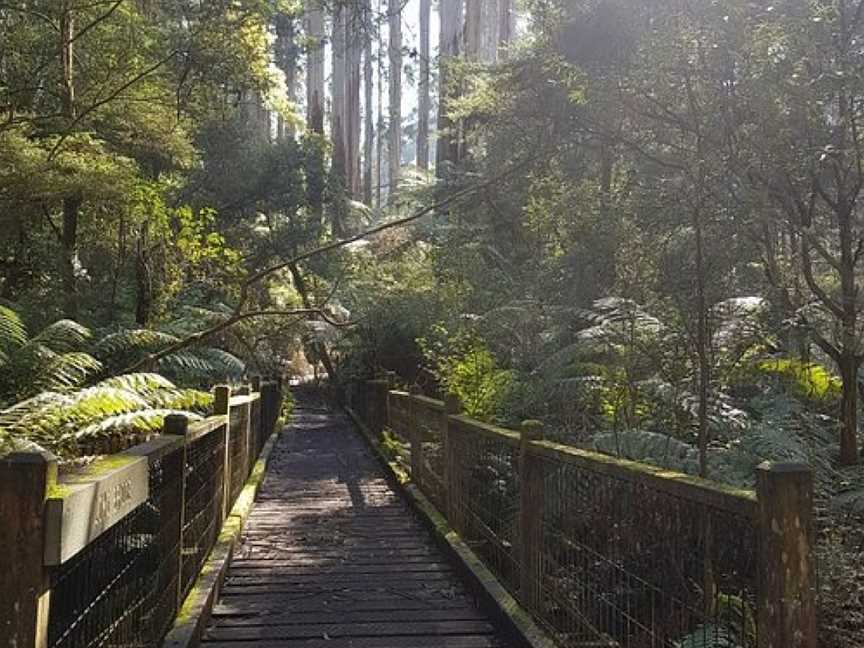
(614, 553)
(106, 557)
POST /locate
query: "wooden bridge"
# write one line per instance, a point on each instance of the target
(333, 556)
(400, 524)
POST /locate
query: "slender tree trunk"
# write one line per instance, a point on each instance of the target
(286, 60)
(505, 26)
(850, 361)
(353, 52)
(849, 365)
(702, 350)
(320, 347)
(337, 115)
(71, 204)
(369, 116)
(315, 68)
(424, 103)
(379, 147)
(473, 29)
(450, 47)
(395, 132)
(143, 280)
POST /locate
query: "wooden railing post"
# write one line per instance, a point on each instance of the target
(452, 476)
(222, 407)
(530, 538)
(415, 437)
(787, 578)
(376, 405)
(25, 481)
(178, 425)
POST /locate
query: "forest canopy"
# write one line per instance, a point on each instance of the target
(639, 221)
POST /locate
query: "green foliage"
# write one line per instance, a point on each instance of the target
(465, 368)
(809, 381)
(119, 406)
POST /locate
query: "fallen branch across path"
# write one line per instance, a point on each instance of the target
(239, 314)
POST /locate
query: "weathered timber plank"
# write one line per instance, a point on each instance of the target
(332, 556)
(336, 630)
(453, 641)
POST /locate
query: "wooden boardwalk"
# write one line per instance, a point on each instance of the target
(332, 557)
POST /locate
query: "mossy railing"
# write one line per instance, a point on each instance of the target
(605, 551)
(107, 555)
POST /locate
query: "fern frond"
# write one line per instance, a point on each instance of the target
(64, 371)
(13, 333)
(62, 336)
(133, 341)
(139, 421)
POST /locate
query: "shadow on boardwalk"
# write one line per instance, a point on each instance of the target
(333, 557)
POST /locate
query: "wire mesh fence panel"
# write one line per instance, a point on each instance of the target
(400, 423)
(485, 497)
(628, 565)
(256, 428)
(430, 420)
(238, 448)
(203, 495)
(122, 589)
(399, 415)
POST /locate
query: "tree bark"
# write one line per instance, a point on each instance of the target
(505, 26)
(337, 117)
(315, 68)
(320, 347)
(379, 147)
(424, 102)
(450, 47)
(369, 119)
(395, 131)
(71, 204)
(353, 51)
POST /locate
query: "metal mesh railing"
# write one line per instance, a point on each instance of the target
(238, 448)
(624, 564)
(601, 552)
(125, 587)
(484, 500)
(429, 419)
(122, 590)
(203, 502)
(257, 429)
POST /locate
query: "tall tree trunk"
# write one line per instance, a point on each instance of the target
(395, 132)
(424, 103)
(320, 347)
(505, 26)
(286, 61)
(702, 350)
(315, 68)
(850, 361)
(379, 146)
(337, 115)
(71, 204)
(369, 118)
(353, 51)
(474, 29)
(143, 280)
(450, 47)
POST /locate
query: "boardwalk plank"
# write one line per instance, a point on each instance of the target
(332, 557)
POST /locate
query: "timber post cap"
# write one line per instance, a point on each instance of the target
(28, 458)
(452, 404)
(784, 468)
(531, 429)
(176, 424)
